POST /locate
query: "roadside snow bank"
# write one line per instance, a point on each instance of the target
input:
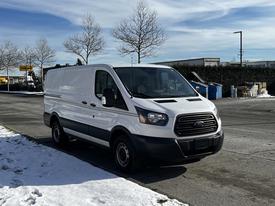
(33, 174)
(264, 96)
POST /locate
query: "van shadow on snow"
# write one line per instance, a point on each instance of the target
(103, 159)
(23, 163)
(30, 164)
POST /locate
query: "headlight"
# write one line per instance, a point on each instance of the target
(216, 112)
(149, 117)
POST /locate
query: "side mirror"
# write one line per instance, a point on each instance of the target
(108, 98)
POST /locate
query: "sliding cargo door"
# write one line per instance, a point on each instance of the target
(76, 96)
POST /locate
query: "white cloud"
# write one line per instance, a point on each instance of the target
(106, 12)
(257, 32)
(110, 12)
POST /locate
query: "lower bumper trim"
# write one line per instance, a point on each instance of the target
(201, 146)
(174, 150)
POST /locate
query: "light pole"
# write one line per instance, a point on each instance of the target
(241, 46)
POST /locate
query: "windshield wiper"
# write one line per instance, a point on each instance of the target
(141, 95)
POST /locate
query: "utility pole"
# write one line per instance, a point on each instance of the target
(241, 46)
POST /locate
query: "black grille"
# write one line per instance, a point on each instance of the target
(195, 124)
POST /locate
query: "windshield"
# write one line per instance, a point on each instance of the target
(149, 82)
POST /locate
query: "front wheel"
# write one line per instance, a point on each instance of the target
(58, 136)
(125, 155)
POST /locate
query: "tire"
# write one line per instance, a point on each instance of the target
(58, 136)
(125, 155)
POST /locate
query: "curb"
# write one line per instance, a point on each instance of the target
(23, 93)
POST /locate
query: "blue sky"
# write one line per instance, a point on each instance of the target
(202, 28)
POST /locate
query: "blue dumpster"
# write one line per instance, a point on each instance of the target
(219, 90)
(214, 91)
(201, 88)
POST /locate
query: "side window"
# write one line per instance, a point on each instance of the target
(104, 80)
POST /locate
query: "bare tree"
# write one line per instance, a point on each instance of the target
(44, 55)
(9, 58)
(89, 42)
(1, 58)
(140, 33)
(28, 56)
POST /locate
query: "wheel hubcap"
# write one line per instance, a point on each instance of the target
(56, 134)
(122, 154)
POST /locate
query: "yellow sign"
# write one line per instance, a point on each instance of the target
(25, 68)
(3, 80)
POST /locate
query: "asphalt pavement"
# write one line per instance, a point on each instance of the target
(242, 173)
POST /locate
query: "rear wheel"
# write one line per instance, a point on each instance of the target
(124, 154)
(58, 136)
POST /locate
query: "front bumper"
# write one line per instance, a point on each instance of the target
(174, 150)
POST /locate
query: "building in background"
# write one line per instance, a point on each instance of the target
(205, 62)
(15, 76)
(261, 64)
(252, 64)
(13, 79)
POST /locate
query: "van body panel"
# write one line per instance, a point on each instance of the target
(180, 106)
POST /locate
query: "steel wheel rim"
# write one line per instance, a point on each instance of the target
(56, 134)
(122, 154)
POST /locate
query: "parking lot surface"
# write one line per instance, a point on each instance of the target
(243, 173)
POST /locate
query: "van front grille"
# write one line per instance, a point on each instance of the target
(195, 124)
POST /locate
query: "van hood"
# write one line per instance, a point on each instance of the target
(175, 106)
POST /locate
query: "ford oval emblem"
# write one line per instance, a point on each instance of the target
(198, 124)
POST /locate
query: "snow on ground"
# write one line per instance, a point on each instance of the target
(33, 174)
(229, 101)
(264, 96)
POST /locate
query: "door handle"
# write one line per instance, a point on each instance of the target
(84, 102)
(93, 105)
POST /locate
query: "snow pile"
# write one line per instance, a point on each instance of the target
(264, 94)
(33, 174)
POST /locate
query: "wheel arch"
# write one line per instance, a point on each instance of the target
(116, 132)
(54, 117)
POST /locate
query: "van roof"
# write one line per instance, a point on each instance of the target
(140, 65)
(113, 66)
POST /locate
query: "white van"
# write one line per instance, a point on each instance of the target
(140, 112)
